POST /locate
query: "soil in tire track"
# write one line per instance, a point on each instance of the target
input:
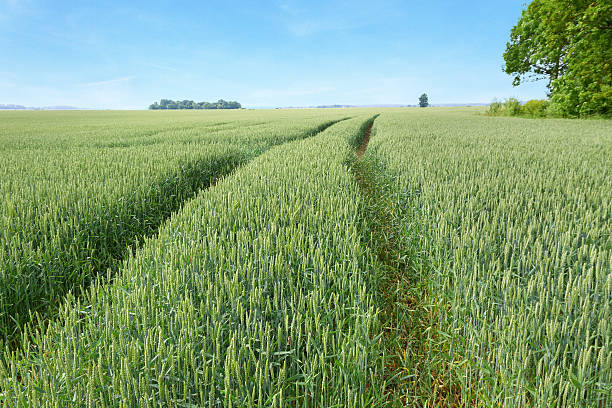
(403, 295)
(366, 139)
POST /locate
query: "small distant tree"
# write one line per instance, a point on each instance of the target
(423, 101)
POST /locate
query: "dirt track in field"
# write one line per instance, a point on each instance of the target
(366, 139)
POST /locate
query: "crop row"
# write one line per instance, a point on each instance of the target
(514, 218)
(68, 213)
(256, 293)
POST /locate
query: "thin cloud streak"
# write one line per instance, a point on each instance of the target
(107, 82)
(265, 93)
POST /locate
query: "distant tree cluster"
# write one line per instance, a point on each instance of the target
(569, 43)
(12, 107)
(185, 104)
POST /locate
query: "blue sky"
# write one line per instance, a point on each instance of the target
(127, 54)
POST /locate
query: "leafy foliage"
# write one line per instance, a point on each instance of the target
(536, 108)
(495, 108)
(186, 104)
(423, 101)
(509, 107)
(568, 42)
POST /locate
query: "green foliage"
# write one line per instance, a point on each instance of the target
(569, 42)
(538, 43)
(186, 104)
(516, 220)
(535, 108)
(257, 293)
(586, 89)
(511, 107)
(495, 108)
(423, 101)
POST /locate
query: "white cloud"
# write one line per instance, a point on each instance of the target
(107, 83)
(274, 93)
(305, 27)
(301, 22)
(12, 8)
(289, 7)
(304, 95)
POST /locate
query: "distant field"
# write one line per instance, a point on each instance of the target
(251, 258)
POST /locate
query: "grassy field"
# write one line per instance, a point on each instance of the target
(252, 258)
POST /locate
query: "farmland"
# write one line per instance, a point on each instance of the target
(75, 196)
(252, 258)
(514, 217)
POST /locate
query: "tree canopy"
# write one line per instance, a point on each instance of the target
(569, 43)
(185, 104)
(423, 101)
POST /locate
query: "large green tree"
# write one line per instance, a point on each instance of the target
(568, 43)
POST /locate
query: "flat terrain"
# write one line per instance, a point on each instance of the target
(312, 258)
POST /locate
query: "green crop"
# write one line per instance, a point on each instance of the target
(75, 196)
(258, 259)
(515, 218)
(256, 293)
